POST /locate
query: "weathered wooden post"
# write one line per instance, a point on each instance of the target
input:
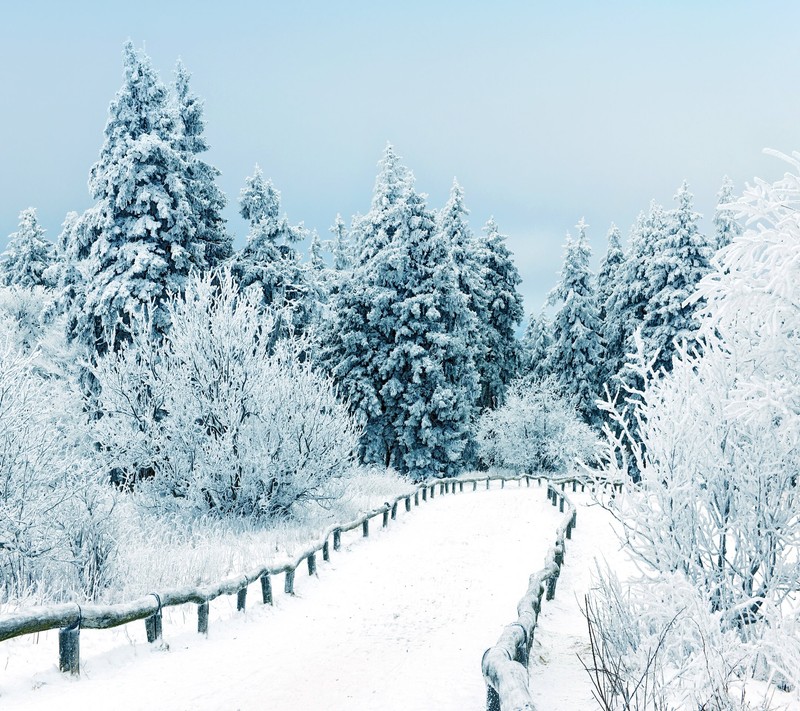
(337, 539)
(241, 599)
(288, 584)
(502, 483)
(266, 589)
(563, 484)
(539, 480)
(474, 485)
(574, 485)
(326, 551)
(408, 503)
(202, 618)
(551, 587)
(312, 563)
(152, 624)
(553, 497)
(527, 481)
(487, 482)
(365, 528)
(583, 487)
(433, 490)
(568, 531)
(461, 486)
(444, 488)
(69, 648)
(394, 511)
(561, 504)
(416, 498)
(385, 518)
(425, 493)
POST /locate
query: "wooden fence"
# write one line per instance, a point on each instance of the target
(505, 666)
(71, 618)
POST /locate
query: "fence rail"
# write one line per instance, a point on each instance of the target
(505, 666)
(70, 618)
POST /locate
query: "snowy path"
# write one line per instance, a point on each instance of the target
(399, 622)
(557, 678)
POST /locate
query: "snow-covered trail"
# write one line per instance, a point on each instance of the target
(399, 622)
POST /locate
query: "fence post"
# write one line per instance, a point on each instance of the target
(444, 488)
(474, 485)
(408, 503)
(365, 528)
(575, 519)
(561, 504)
(527, 481)
(266, 590)
(326, 553)
(337, 539)
(69, 648)
(433, 490)
(152, 624)
(492, 699)
(553, 498)
(416, 498)
(385, 518)
(312, 563)
(502, 483)
(241, 599)
(487, 482)
(394, 511)
(288, 585)
(574, 485)
(425, 493)
(460, 486)
(202, 618)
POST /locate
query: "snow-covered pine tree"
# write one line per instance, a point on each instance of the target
(28, 254)
(681, 259)
(397, 344)
(504, 313)
(470, 271)
(576, 350)
(206, 200)
(137, 243)
(536, 345)
(269, 260)
(612, 332)
(341, 248)
(726, 228)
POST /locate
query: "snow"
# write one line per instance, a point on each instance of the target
(399, 620)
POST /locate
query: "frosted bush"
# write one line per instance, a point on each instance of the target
(222, 416)
(534, 431)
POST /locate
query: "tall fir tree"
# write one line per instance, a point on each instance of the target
(611, 329)
(269, 261)
(206, 200)
(504, 313)
(576, 349)
(398, 344)
(138, 242)
(341, 247)
(536, 345)
(682, 257)
(726, 227)
(28, 254)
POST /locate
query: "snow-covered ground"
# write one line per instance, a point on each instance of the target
(398, 621)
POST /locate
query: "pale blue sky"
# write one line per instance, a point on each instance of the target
(546, 112)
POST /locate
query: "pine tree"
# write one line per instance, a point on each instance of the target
(315, 259)
(576, 349)
(206, 200)
(681, 259)
(341, 248)
(726, 228)
(470, 272)
(504, 313)
(536, 345)
(137, 243)
(397, 344)
(607, 278)
(269, 261)
(28, 254)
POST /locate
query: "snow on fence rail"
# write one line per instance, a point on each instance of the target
(70, 618)
(505, 666)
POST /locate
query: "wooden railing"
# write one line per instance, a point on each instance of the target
(505, 666)
(71, 618)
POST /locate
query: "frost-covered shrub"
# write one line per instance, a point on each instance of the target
(222, 416)
(53, 541)
(655, 644)
(534, 431)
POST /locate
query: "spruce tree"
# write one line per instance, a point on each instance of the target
(28, 254)
(398, 344)
(137, 243)
(536, 345)
(576, 349)
(206, 200)
(341, 248)
(726, 228)
(504, 313)
(607, 278)
(269, 261)
(681, 259)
